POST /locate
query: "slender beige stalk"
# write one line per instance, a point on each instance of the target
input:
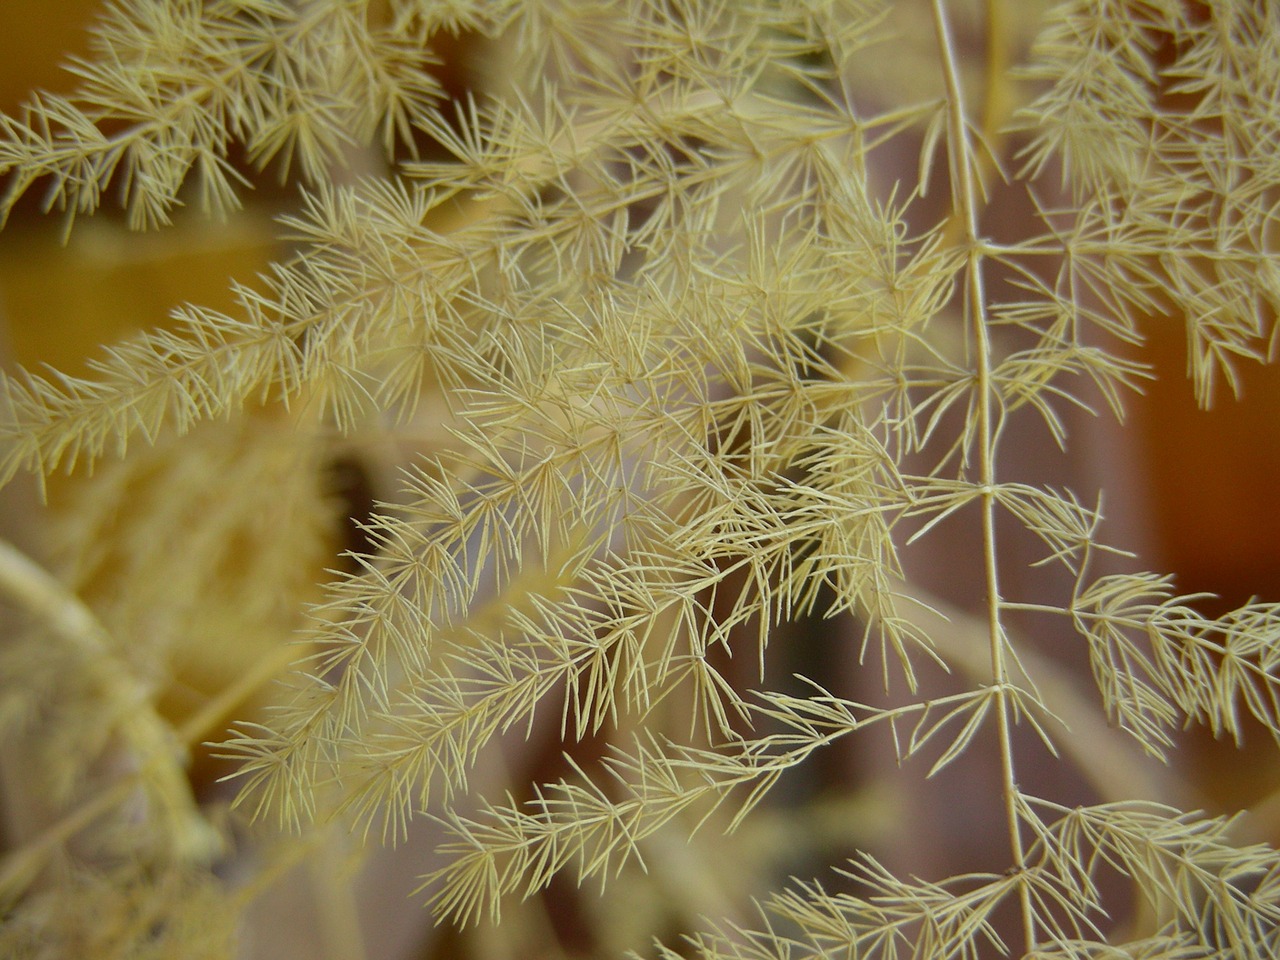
(964, 177)
(147, 736)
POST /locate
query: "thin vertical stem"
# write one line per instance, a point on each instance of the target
(964, 178)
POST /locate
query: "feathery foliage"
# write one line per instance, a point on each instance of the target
(676, 324)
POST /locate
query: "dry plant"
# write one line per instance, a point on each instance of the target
(656, 327)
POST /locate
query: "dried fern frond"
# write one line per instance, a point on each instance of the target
(655, 330)
(170, 87)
